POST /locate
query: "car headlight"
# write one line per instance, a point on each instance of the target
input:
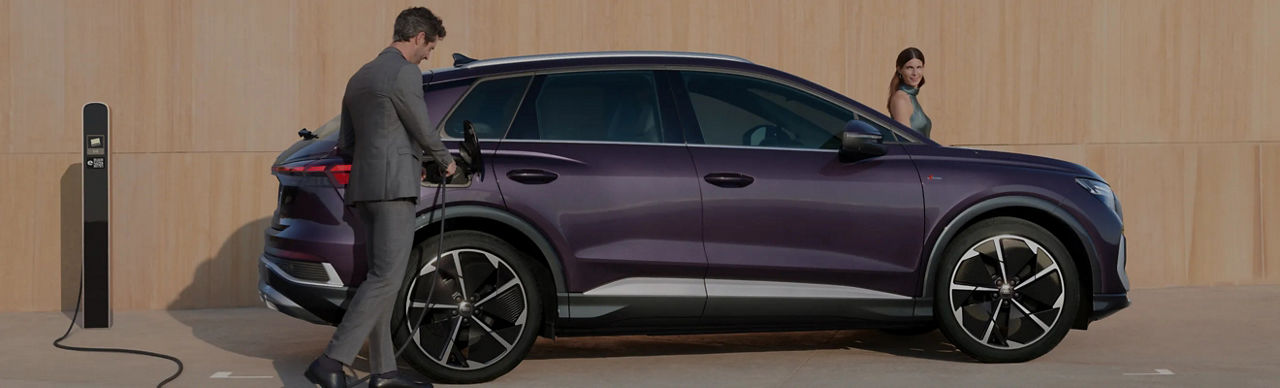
(1102, 192)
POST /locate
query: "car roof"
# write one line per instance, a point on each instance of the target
(465, 67)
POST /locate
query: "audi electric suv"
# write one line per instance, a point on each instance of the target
(668, 192)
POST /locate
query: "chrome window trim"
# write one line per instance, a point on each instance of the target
(600, 54)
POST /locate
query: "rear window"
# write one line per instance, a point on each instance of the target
(489, 106)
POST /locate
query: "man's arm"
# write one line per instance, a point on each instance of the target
(412, 109)
(346, 134)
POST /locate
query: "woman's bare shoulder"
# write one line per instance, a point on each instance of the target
(899, 97)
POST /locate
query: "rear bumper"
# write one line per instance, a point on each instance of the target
(313, 302)
(1106, 304)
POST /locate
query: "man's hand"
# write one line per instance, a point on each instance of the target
(453, 167)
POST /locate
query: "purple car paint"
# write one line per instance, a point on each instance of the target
(651, 221)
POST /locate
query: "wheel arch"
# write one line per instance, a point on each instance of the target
(1053, 218)
(514, 230)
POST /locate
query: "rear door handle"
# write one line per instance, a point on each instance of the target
(532, 176)
(728, 179)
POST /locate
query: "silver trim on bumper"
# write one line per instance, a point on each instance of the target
(1120, 264)
(334, 280)
(278, 302)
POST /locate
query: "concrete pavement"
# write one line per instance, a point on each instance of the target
(1203, 336)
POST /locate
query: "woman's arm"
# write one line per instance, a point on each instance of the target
(900, 108)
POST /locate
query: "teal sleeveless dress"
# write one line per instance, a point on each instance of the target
(919, 121)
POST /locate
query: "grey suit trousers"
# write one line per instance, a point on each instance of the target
(389, 227)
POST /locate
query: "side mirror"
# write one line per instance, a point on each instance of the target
(860, 141)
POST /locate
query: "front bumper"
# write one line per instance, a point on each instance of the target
(1106, 304)
(313, 302)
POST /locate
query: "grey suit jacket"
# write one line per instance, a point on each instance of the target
(385, 129)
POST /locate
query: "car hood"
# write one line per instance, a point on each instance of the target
(1004, 158)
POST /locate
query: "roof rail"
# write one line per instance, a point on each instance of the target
(460, 60)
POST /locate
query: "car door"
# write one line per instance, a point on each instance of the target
(596, 161)
(790, 231)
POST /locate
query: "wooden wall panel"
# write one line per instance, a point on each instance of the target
(245, 85)
(194, 228)
(1156, 184)
(634, 24)
(142, 69)
(1074, 153)
(1269, 202)
(1225, 246)
(818, 60)
(332, 41)
(1265, 122)
(1171, 101)
(35, 213)
(37, 47)
(1002, 81)
(6, 86)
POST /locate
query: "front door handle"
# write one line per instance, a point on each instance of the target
(532, 176)
(729, 179)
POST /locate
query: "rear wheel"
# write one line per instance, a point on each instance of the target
(483, 316)
(1007, 291)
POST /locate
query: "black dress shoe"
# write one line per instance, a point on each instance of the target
(324, 378)
(396, 382)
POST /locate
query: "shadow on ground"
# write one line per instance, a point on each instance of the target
(232, 275)
(931, 345)
(291, 344)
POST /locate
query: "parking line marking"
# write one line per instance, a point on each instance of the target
(227, 375)
(1159, 372)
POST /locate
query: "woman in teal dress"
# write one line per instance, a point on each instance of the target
(906, 83)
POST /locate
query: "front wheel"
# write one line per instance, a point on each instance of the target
(1007, 291)
(483, 315)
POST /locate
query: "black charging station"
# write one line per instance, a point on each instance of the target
(95, 198)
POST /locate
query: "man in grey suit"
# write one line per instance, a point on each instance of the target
(384, 130)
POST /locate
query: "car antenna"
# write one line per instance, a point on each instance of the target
(459, 59)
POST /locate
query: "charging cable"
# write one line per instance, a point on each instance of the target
(57, 343)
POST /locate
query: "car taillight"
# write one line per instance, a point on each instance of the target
(340, 174)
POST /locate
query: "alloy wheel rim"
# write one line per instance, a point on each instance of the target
(1007, 292)
(477, 313)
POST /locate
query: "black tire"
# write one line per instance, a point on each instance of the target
(492, 329)
(1012, 267)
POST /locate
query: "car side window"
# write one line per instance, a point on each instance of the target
(619, 106)
(489, 106)
(737, 110)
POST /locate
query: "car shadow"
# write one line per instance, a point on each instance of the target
(291, 344)
(228, 281)
(238, 324)
(932, 345)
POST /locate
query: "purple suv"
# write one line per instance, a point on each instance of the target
(666, 192)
